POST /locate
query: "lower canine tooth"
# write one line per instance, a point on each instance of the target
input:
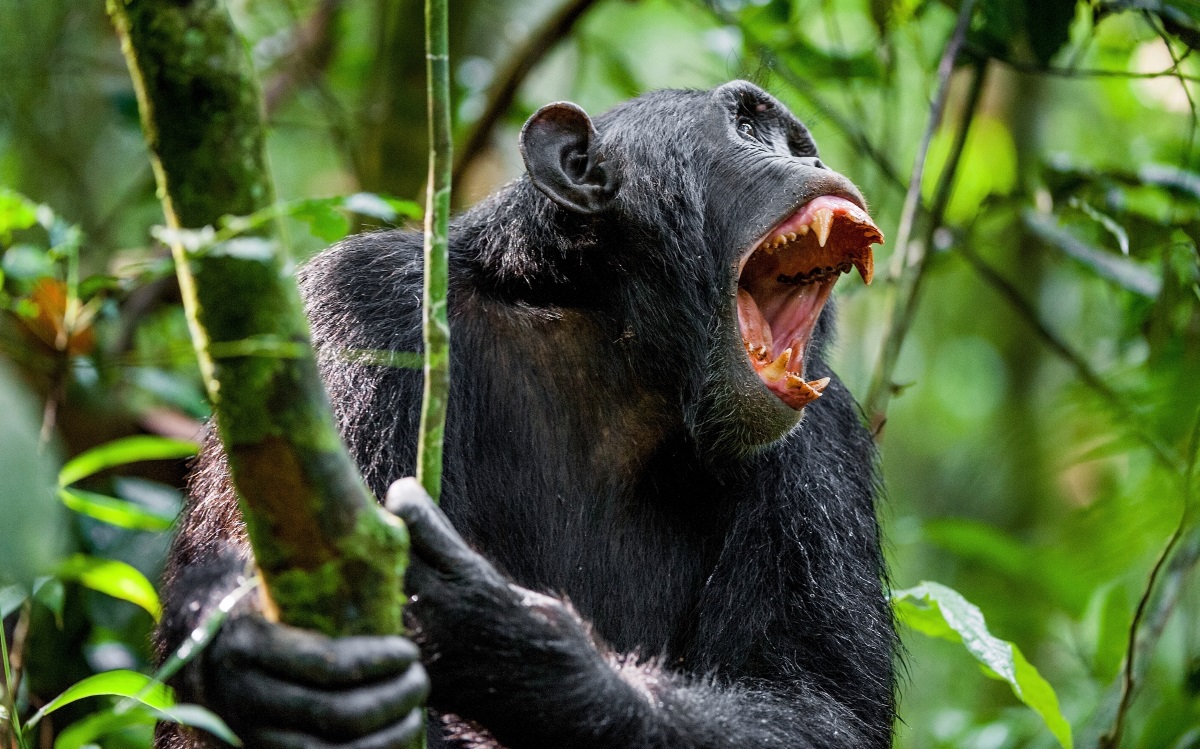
(865, 263)
(822, 222)
(778, 368)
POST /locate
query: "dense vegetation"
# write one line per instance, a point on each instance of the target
(1036, 350)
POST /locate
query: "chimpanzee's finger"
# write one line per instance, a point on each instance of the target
(299, 655)
(263, 700)
(433, 537)
(395, 736)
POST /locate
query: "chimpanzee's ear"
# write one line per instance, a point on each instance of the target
(559, 146)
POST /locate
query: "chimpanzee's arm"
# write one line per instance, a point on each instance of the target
(525, 667)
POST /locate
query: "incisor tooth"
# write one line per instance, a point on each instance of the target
(803, 230)
(777, 368)
(805, 392)
(822, 222)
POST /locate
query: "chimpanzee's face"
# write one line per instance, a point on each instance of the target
(795, 227)
(734, 231)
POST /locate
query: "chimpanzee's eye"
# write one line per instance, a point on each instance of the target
(746, 128)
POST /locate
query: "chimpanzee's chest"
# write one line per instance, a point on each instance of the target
(633, 567)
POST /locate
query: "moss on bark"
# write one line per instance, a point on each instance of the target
(332, 560)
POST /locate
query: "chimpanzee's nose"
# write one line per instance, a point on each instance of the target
(812, 161)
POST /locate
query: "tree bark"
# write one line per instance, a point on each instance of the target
(330, 558)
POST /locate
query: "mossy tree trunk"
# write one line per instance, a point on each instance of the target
(331, 559)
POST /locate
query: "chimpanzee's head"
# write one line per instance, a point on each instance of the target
(717, 234)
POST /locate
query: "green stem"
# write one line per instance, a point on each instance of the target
(437, 217)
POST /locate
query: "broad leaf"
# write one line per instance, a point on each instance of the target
(121, 683)
(114, 578)
(938, 611)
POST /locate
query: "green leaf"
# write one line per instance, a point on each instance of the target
(84, 732)
(938, 611)
(119, 683)
(323, 217)
(1048, 26)
(11, 599)
(113, 578)
(122, 451)
(16, 212)
(113, 511)
(49, 592)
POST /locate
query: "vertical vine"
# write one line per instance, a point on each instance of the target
(437, 216)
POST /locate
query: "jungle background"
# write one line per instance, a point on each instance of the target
(1040, 338)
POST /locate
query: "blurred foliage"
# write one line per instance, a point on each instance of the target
(1040, 449)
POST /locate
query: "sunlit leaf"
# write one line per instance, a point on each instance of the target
(122, 683)
(113, 511)
(16, 212)
(988, 166)
(113, 578)
(121, 452)
(938, 611)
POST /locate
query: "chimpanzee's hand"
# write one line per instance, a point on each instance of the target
(491, 647)
(280, 687)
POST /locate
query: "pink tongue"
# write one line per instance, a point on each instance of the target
(754, 326)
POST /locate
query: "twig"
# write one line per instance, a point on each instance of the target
(1141, 643)
(908, 283)
(500, 97)
(436, 327)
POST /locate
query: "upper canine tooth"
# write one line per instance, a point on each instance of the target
(777, 368)
(822, 222)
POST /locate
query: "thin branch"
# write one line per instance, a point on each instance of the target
(500, 97)
(1088, 376)
(1141, 644)
(908, 267)
(1056, 72)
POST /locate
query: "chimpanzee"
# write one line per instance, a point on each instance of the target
(641, 543)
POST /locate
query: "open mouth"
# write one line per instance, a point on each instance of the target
(784, 281)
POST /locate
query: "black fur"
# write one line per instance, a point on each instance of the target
(600, 448)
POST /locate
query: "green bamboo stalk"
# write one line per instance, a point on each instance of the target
(436, 326)
(330, 558)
